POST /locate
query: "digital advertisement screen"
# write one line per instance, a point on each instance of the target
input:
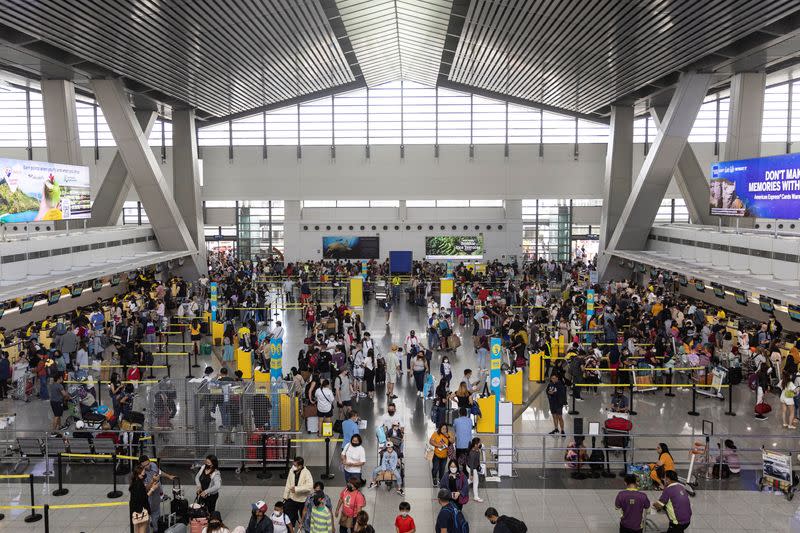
(27, 305)
(766, 304)
(719, 292)
(683, 281)
(115, 280)
(53, 297)
(794, 312)
(33, 191)
(741, 296)
(77, 290)
(350, 247)
(454, 247)
(700, 286)
(97, 285)
(767, 187)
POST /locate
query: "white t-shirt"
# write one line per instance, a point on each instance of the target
(325, 399)
(280, 522)
(388, 420)
(354, 454)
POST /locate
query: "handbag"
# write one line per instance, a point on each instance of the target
(310, 410)
(140, 518)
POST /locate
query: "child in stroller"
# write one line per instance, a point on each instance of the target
(390, 467)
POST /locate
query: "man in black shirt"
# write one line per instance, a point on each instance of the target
(504, 524)
(450, 519)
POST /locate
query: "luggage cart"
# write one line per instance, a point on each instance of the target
(717, 377)
(8, 437)
(643, 380)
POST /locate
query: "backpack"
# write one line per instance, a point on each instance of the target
(460, 524)
(512, 524)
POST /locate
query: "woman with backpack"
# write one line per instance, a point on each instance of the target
(456, 481)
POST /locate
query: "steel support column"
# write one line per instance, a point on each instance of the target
(648, 190)
(186, 180)
(689, 177)
(152, 188)
(61, 122)
(115, 186)
(617, 182)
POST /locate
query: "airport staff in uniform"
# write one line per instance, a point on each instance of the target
(396, 288)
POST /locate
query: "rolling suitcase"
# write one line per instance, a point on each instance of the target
(453, 342)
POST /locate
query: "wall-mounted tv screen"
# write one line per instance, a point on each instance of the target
(767, 305)
(794, 312)
(741, 296)
(53, 297)
(454, 247)
(683, 281)
(700, 286)
(97, 285)
(77, 290)
(763, 187)
(719, 292)
(115, 280)
(349, 247)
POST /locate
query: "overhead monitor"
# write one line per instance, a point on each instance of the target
(741, 296)
(765, 187)
(699, 285)
(719, 291)
(97, 285)
(37, 191)
(683, 281)
(767, 304)
(794, 312)
(77, 290)
(53, 297)
(27, 305)
(115, 280)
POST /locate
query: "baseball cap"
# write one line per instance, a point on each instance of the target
(389, 444)
(261, 505)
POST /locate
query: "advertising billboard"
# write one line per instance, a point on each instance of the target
(32, 191)
(767, 187)
(454, 247)
(350, 247)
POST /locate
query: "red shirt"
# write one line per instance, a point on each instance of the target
(352, 502)
(404, 525)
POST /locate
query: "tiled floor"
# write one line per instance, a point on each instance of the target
(557, 503)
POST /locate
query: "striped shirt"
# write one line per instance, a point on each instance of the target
(321, 521)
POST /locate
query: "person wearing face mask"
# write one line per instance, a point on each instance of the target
(457, 483)
(259, 523)
(353, 459)
(404, 523)
(391, 417)
(321, 517)
(308, 509)
(474, 462)
(299, 484)
(280, 520)
(351, 501)
(209, 481)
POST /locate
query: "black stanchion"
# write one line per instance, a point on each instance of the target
(573, 411)
(60, 491)
(327, 474)
(99, 392)
(114, 493)
(189, 365)
(288, 458)
(630, 388)
(264, 474)
(730, 411)
(195, 365)
(694, 412)
(34, 516)
(151, 375)
(168, 367)
(669, 382)
(46, 518)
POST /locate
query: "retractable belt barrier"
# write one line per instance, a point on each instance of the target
(34, 516)
(630, 386)
(61, 491)
(47, 508)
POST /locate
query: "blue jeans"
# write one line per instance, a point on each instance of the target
(351, 475)
(43, 388)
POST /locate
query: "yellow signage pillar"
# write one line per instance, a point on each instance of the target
(446, 289)
(357, 292)
(514, 388)
(535, 368)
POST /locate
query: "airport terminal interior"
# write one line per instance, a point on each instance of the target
(399, 266)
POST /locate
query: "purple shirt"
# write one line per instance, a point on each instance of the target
(676, 503)
(633, 504)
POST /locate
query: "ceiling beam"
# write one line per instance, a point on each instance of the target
(521, 101)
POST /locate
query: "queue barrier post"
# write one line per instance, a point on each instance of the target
(669, 380)
(694, 412)
(46, 518)
(264, 474)
(730, 411)
(34, 516)
(168, 370)
(630, 390)
(60, 491)
(288, 458)
(573, 411)
(189, 365)
(114, 493)
(327, 474)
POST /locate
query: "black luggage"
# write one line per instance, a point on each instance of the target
(735, 375)
(380, 373)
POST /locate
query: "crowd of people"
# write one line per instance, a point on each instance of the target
(633, 327)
